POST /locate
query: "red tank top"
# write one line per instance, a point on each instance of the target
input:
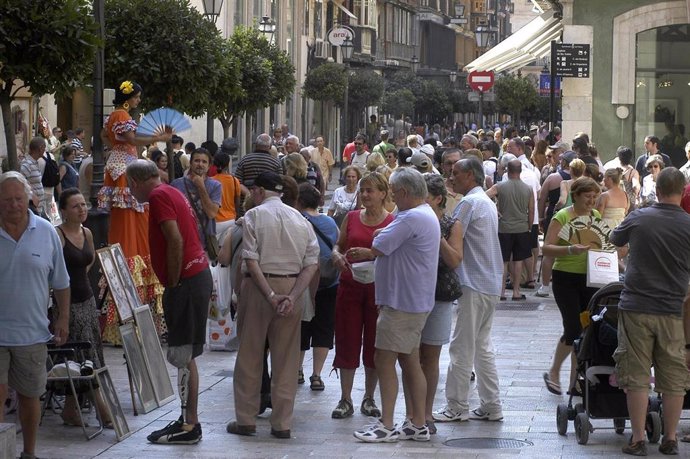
(360, 235)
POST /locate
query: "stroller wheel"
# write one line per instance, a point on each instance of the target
(653, 427)
(619, 425)
(579, 408)
(562, 418)
(582, 428)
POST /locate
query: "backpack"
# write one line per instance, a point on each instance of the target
(327, 270)
(51, 173)
(179, 171)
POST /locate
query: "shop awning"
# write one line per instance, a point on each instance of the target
(344, 10)
(533, 41)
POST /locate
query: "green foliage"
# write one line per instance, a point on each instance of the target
(432, 104)
(264, 74)
(326, 83)
(399, 102)
(404, 79)
(365, 90)
(515, 95)
(48, 47)
(168, 48)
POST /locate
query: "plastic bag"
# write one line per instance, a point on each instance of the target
(221, 296)
(222, 334)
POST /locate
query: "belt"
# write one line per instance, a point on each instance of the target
(275, 276)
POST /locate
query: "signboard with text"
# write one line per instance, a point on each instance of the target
(480, 81)
(337, 35)
(572, 60)
(545, 85)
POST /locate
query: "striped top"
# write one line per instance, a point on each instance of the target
(254, 164)
(30, 170)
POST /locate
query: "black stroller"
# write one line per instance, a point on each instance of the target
(595, 365)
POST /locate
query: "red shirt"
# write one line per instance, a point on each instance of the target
(167, 203)
(685, 202)
(360, 235)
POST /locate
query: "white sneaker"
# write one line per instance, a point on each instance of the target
(408, 431)
(544, 291)
(448, 414)
(377, 433)
(479, 414)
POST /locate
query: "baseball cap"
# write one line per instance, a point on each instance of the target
(229, 144)
(427, 149)
(267, 180)
(568, 156)
(560, 145)
(419, 159)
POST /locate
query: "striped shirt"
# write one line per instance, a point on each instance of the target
(482, 265)
(31, 171)
(254, 164)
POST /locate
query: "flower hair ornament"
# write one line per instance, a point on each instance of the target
(127, 87)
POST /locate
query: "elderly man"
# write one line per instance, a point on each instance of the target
(292, 144)
(179, 262)
(468, 142)
(652, 324)
(685, 168)
(281, 254)
(202, 192)
(30, 264)
(31, 170)
(406, 250)
(480, 275)
(256, 162)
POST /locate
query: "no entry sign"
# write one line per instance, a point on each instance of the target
(480, 81)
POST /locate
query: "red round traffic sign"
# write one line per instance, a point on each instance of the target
(480, 81)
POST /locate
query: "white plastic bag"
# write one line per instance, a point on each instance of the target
(222, 334)
(602, 268)
(221, 297)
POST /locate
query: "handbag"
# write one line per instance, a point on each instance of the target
(212, 246)
(447, 284)
(328, 272)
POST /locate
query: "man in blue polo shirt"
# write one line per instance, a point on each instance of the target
(30, 264)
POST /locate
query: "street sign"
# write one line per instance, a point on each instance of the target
(458, 20)
(545, 85)
(480, 81)
(473, 96)
(572, 60)
(337, 35)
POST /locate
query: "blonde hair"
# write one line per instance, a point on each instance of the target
(374, 161)
(577, 168)
(614, 174)
(470, 152)
(296, 166)
(412, 139)
(378, 181)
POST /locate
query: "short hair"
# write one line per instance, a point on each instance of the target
(471, 139)
(264, 141)
(65, 195)
(654, 159)
(176, 139)
(584, 185)
(473, 165)
(290, 191)
(361, 137)
(449, 152)
(79, 130)
(625, 155)
(36, 143)
(412, 139)
(292, 137)
(519, 143)
(156, 155)
(221, 160)
(19, 177)
(403, 154)
(653, 139)
(410, 180)
(66, 151)
(492, 146)
(670, 181)
(473, 152)
(201, 151)
(56, 128)
(577, 167)
(376, 180)
(354, 169)
(374, 161)
(514, 166)
(506, 158)
(210, 146)
(190, 146)
(309, 197)
(436, 186)
(296, 166)
(141, 170)
(384, 134)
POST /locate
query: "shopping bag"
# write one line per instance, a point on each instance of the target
(221, 296)
(222, 334)
(602, 268)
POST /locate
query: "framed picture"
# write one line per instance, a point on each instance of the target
(112, 403)
(138, 371)
(117, 289)
(126, 276)
(153, 354)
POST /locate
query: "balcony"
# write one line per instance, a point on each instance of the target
(364, 42)
(391, 50)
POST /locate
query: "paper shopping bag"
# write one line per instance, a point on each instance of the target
(602, 268)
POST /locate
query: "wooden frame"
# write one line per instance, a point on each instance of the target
(115, 283)
(112, 403)
(125, 276)
(138, 371)
(153, 355)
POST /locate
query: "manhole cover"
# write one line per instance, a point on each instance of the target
(519, 306)
(487, 443)
(223, 373)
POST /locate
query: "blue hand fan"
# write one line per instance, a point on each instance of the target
(162, 119)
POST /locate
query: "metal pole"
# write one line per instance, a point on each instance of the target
(345, 109)
(480, 123)
(552, 87)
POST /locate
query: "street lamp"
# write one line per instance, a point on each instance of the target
(212, 10)
(267, 27)
(459, 10)
(414, 63)
(453, 76)
(346, 50)
(483, 35)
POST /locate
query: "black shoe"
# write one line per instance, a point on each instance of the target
(638, 448)
(282, 434)
(473, 376)
(265, 403)
(177, 433)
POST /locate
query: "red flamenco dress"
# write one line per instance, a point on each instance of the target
(129, 223)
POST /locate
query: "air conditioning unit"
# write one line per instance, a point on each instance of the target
(321, 49)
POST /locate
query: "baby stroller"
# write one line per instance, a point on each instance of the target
(595, 366)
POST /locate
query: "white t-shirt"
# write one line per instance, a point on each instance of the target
(342, 202)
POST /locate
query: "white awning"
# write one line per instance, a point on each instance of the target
(533, 41)
(344, 10)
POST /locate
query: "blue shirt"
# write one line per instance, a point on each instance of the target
(214, 190)
(329, 228)
(482, 264)
(405, 275)
(28, 269)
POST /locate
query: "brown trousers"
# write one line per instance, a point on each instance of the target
(259, 321)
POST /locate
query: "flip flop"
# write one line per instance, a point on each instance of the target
(685, 438)
(519, 298)
(528, 285)
(552, 386)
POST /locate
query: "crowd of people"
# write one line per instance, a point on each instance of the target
(465, 214)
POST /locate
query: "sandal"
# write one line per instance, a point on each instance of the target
(552, 386)
(685, 438)
(519, 298)
(300, 376)
(316, 383)
(528, 285)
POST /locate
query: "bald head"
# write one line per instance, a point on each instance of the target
(514, 168)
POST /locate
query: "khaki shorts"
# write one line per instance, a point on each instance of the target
(24, 369)
(650, 339)
(399, 331)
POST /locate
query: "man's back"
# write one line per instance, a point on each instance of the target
(513, 206)
(254, 164)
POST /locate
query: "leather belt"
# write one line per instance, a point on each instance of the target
(275, 276)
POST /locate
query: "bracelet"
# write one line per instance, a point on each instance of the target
(570, 250)
(271, 295)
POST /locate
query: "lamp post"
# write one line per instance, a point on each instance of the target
(212, 9)
(267, 27)
(483, 36)
(414, 63)
(346, 50)
(453, 76)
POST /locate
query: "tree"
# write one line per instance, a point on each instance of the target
(365, 90)
(398, 103)
(515, 95)
(168, 48)
(433, 103)
(47, 47)
(326, 83)
(404, 79)
(264, 74)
